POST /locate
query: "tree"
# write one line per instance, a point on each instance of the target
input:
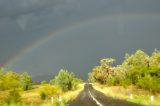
(143, 71)
(11, 80)
(66, 80)
(118, 76)
(26, 81)
(98, 75)
(136, 65)
(155, 59)
(140, 58)
(103, 72)
(155, 64)
(138, 69)
(107, 62)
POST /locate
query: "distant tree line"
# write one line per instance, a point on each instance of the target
(138, 69)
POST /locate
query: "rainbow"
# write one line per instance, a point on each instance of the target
(50, 35)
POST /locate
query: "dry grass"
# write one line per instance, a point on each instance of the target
(139, 96)
(73, 94)
(3, 96)
(32, 97)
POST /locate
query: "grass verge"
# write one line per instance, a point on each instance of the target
(139, 96)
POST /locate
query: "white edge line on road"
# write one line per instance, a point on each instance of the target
(98, 103)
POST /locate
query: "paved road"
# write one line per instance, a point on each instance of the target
(90, 97)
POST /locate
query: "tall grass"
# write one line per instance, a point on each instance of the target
(33, 98)
(140, 96)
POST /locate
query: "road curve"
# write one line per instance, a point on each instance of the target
(90, 97)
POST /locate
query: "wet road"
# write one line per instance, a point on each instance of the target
(90, 97)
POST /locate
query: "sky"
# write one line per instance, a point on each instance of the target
(43, 36)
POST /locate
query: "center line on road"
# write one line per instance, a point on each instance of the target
(98, 103)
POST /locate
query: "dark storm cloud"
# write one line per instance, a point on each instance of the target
(80, 48)
(25, 22)
(17, 7)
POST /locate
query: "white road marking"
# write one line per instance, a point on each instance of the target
(98, 103)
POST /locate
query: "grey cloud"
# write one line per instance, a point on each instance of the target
(24, 22)
(15, 7)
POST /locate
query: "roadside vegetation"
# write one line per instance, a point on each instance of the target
(138, 75)
(135, 80)
(19, 90)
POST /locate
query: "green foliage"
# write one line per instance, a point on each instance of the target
(137, 69)
(149, 83)
(14, 97)
(43, 82)
(13, 84)
(140, 58)
(57, 102)
(50, 90)
(26, 81)
(1, 80)
(126, 82)
(103, 72)
(9, 80)
(66, 80)
(155, 59)
(143, 70)
(112, 81)
(43, 95)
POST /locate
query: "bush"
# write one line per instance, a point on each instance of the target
(26, 81)
(9, 80)
(112, 81)
(43, 82)
(66, 80)
(43, 95)
(149, 83)
(49, 90)
(126, 82)
(103, 72)
(13, 97)
(63, 102)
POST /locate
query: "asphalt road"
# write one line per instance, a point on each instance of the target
(90, 97)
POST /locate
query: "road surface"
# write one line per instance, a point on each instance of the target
(90, 97)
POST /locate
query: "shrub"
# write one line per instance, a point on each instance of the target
(43, 95)
(66, 80)
(10, 80)
(103, 72)
(13, 97)
(63, 102)
(49, 90)
(43, 82)
(26, 81)
(149, 83)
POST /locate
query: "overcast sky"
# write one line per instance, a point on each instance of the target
(78, 33)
